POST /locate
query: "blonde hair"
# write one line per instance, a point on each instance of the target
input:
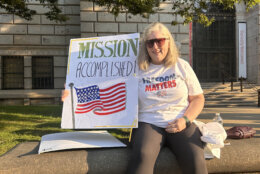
(144, 59)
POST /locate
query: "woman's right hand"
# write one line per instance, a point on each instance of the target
(64, 94)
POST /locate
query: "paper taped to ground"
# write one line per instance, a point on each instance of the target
(78, 140)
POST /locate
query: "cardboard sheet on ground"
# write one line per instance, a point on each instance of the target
(102, 83)
(78, 140)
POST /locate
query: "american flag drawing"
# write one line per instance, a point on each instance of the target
(102, 101)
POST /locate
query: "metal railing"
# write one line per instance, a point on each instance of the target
(227, 77)
(243, 81)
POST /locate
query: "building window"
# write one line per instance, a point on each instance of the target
(13, 72)
(42, 72)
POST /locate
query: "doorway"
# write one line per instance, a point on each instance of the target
(214, 48)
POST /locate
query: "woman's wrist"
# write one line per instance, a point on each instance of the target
(188, 122)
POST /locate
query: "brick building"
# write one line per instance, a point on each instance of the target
(33, 54)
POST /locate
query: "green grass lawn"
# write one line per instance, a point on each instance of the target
(30, 123)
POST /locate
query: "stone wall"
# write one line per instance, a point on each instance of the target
(253, 45)
(39, 37)
(96, 21)
(258, 45)
(42, 37)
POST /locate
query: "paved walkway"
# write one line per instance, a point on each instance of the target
(245, 116)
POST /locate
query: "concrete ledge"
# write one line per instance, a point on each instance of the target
(242, 156)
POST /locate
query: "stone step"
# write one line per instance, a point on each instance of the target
(214, 87)
(220, 95)
(230, 105)
(250, 90)
(229, 88)
(228, 85)
(230, 94)
(241, 156)
(231, 100)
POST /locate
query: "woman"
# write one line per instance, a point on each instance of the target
(170, 98)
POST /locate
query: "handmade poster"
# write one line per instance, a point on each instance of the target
(102, 83)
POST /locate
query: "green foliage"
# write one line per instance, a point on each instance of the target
(29, 123)
(19, 8)
(190, 10)
(142, 7)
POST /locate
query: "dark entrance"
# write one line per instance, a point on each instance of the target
(214, 48)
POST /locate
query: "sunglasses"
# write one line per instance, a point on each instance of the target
(159, 42)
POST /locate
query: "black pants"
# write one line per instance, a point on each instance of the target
(186, 146)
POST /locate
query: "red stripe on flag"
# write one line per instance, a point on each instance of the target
(111, 104)
(118, 97)
(91, 107)
(111, 87)
(90, 103)
(107, 113)
(107, 109)
(112, 92)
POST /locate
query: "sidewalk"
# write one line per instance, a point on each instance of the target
(245, 116)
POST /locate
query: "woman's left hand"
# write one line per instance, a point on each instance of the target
(176, 125)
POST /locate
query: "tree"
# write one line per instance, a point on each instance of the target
(19, 8)
(190, 10)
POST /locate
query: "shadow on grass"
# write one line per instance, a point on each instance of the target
(53, 111)
(118, 133)
(49, 125)
(29, 123)
(24, 118)
(38, 132)
(2, 126)
(122, 133)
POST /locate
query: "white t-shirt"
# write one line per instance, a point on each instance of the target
(163, 92)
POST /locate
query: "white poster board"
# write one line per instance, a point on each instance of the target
(242, 49)
(102, 83)
(78, 140)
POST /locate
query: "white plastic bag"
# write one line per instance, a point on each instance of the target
(214, 135)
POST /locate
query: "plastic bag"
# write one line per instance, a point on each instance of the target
(214, 135)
